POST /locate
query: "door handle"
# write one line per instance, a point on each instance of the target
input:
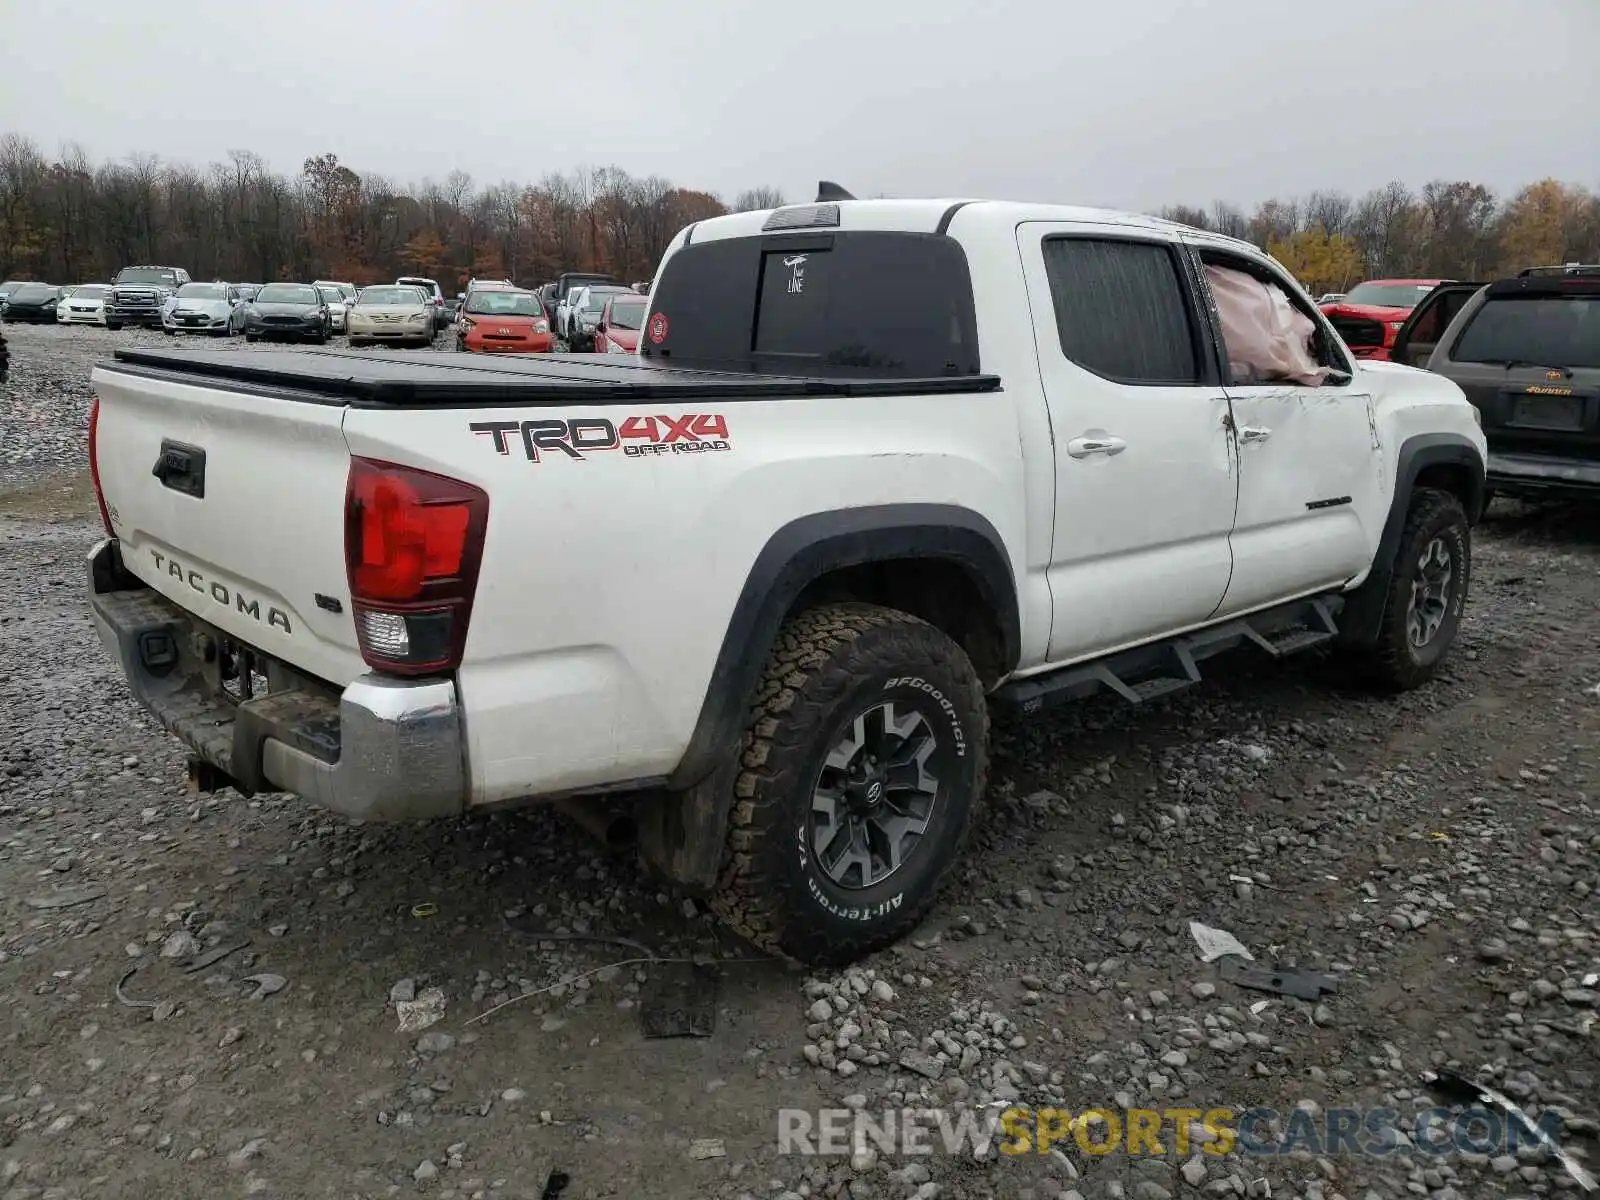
(1082, 447)
(1253, 433)
(181, 468)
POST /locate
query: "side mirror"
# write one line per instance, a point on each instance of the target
(461, 295)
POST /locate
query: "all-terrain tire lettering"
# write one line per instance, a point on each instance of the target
(824, 662)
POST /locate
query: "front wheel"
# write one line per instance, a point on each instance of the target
(1427, 593)
(113, 326)
(860, 773)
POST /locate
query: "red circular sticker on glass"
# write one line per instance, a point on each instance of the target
(658, 328)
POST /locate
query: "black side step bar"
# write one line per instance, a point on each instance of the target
(1146, 672)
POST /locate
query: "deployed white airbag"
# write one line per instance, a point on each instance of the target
(1268, 340)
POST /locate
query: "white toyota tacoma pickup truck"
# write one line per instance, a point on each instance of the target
(875, 464)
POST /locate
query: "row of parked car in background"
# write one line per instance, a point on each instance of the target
(1525, 349)
(583, 311)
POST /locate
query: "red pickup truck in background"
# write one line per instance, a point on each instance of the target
(1371, 313)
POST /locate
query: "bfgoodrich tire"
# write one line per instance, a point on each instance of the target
(861, 772)
(1427, 593)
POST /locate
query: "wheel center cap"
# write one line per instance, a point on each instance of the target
(874, 792)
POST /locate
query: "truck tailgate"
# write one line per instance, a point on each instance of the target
(232, 505)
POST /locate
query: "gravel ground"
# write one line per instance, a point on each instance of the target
(1437, 853)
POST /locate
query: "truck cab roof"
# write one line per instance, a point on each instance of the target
(927, 216)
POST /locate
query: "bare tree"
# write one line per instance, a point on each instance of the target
(1183, 214)
(1331, 210)
(1229, 220)
(755, 199)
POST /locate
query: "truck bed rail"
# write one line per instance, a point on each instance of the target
(443, 380)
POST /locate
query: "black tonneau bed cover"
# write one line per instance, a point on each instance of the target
(422, 379)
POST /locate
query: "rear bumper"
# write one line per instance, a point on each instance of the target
(1526, 474)
(538, 344)
(285, 333)
(382, 750)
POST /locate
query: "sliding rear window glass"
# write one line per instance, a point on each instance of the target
(891, 305)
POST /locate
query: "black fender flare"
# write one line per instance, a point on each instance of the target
(1364, 611)
(805, 550)
(683, 826)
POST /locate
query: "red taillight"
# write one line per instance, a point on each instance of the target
(413, 541)
(94, 465)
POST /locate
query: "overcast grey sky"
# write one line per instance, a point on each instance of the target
(1130, 103)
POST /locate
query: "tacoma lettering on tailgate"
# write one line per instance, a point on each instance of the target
(220, 592)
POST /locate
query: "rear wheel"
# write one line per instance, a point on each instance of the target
(1427, 593)
(860, 773)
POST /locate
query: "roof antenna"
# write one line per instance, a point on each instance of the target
(828, 190)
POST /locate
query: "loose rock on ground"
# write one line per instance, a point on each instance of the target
(1439, 853)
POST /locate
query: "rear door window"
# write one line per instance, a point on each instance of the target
(896, 305)
(1121, 311)
(1544, 331)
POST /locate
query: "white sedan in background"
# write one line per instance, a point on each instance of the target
(84, 304)
(338, 297)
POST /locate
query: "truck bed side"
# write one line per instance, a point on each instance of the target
(627, 506)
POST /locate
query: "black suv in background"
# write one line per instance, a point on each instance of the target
(1526, 351)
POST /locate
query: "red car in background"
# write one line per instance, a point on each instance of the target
(502, 321)
(1371, 313)
(618, 331)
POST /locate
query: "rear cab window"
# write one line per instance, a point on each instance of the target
(873, 303)
(1121, 310)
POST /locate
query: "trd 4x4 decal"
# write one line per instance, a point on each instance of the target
(638, 437)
